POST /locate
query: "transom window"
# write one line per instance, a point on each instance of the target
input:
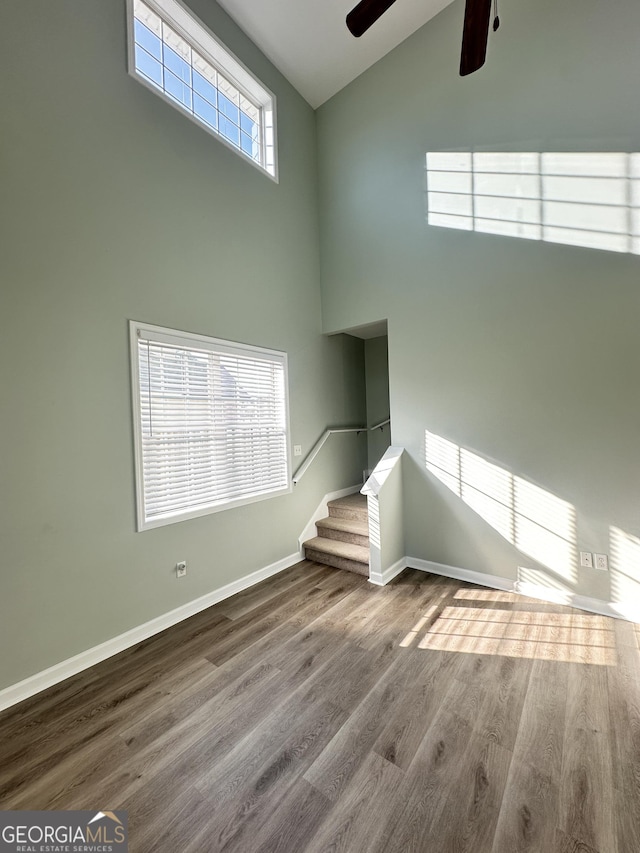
(173, 53)
(211, 424)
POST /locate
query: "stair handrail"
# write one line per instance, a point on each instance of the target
(380, 425)
(318, 447)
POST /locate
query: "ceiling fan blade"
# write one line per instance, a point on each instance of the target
(366, 13)
(475, 35)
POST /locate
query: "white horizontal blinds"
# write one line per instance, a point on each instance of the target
(213, 426)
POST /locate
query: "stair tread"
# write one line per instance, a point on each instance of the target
(351, 506)
(339, 549)
(355, 501)
(348, 525)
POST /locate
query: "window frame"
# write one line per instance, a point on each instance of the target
(186, 23)
(200, 342)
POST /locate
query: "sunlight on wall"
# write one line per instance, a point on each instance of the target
(529, 579)
(580, 199)
(625, 568)
(539, 524)
(373, 507)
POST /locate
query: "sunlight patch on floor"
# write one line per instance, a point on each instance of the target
(540, 635)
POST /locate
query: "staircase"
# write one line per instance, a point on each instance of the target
(343, 537)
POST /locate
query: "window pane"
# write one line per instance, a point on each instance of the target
(205, 111)
(150, 42)
(177, 89)
(148, 66)
(228, 109)
(204, 88)
(177, 65)
(229, 131)
(248, 126)
(176, 43)
(248, 145)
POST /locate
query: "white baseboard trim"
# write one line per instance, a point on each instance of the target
(322, 511)
(383, 578)
(72, 666)
(582, 602)
(555, 596)
(482, 579)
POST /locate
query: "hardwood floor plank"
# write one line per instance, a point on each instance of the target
(409, 602)
(47, 771)
(348, 676)
(347, 620)
(317, 712)
(467, 821)
(245, 786)
(500, 716)
(255, 626)
(285, 582)
(527, 814)
(290, 826)
(540, 736)
(166, 821)
(586, 801)
(121, 685)
(489, 692)
(364, 809)
(348, 578)
(566, 844)
(341, 759)
(430, 781)
(624, 708)
(29, 714)
(398, 742)
(192, 744)
(286, 641)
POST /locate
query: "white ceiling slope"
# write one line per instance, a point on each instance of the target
(308, 40)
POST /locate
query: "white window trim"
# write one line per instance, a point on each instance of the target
(183, 20)
(174, 336)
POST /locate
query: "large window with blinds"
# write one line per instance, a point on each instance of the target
(211, 424)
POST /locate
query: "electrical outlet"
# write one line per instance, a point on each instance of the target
(181, 569)
(297, 450)
(602, 563)
(586, 559)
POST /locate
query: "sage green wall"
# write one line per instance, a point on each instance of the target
(115, 206)
(377, 382)
(527, 353)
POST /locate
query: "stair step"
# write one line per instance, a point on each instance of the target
(340, 555)
(351, 506)
(345, 530)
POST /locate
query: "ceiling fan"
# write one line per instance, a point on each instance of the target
(475, 33)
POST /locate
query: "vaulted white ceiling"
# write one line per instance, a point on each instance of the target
(308, 41)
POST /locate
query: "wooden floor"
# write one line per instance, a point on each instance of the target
(316, 712)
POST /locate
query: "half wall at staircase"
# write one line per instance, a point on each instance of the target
(523, 353)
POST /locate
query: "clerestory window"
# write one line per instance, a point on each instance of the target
(178, 57)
